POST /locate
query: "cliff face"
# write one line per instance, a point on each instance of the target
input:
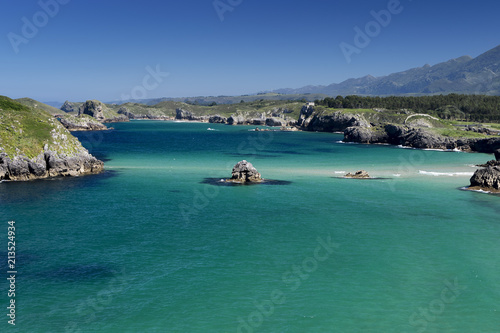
(35, 145)
(309, 120)
(418, 138)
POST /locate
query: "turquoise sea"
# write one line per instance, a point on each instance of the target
(155, 244)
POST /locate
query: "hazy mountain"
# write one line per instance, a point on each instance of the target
(480, 75)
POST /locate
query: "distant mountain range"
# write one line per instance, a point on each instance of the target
(464, 75)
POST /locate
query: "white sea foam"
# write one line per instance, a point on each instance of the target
(397, 175)
(348, 143)
(449, 174)
(340, 172)
(479, 190)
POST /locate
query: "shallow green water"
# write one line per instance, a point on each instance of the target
(148, 247)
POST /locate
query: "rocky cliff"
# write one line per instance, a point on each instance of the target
(82, 123)
(34, 145)
(418, 138)
(310, 120)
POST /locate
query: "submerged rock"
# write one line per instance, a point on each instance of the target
(359, 174)
(244, 171)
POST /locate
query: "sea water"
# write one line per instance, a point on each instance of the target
(157, 244)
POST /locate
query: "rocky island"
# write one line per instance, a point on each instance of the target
(487, 178)
(245, 172)
(362, 174)
(35, 145)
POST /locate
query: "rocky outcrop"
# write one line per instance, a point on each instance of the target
(418, 138)
(48, 164)
(93, 108)
(82, 123)
(236, 120)
(244, 172)
(362, 174)
(365, 135)
(497, 155)
(181, 114)
(336, 122)
(275, 121)
(487, 179)
(119, 119)
(216, 119)
(124, 111)
(70, 107)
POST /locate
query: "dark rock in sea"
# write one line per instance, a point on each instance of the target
(258, 121)
(275, 121)
(93, 108)
(336, 122)
(244, 171)
(236, 120)
(48, 164)
(487, 179)
(365, 135)
(217, 119)
(497, 155)
(362, 174)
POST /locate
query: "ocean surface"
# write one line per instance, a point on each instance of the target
(158, 244)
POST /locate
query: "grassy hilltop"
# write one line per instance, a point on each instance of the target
(26, 130)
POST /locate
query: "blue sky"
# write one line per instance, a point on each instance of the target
(107, 49)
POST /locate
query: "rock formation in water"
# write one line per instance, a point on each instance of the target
(34, 145)
(244, 172)
(487, 179)
(418, 138)
(362, 174)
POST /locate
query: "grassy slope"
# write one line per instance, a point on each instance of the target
(38, 105)
(25, 130)
(253, 109)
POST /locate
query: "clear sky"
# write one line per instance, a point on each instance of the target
(53, 50)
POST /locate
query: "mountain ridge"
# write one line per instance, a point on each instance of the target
(464, 75)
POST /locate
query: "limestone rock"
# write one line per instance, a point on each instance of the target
(217, 119)
(181, 114)
(486, 179)
(93, 108)
(365, 135)
(244, 171)
(359, 174)
(82, 123)
(48, 164)
(275, 121)
(236, 120)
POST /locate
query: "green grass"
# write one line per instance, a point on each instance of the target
(25, 130)
(38, 105)
(456, 133)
